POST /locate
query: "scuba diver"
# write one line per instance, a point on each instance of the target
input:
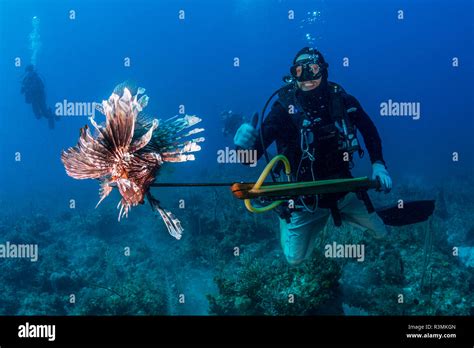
(314, 124)
(232, 122)
(33, 89)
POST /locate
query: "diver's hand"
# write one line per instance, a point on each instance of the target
(245, 136)
(379, 171)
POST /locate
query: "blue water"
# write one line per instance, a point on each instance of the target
(190, 62)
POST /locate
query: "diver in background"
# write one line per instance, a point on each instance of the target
(33, 89)
(314, 123)
(232, 122)
(32, 86)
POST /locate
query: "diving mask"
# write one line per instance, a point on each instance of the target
(308, 69)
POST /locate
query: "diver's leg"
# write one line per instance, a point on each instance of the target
(297, 237)
(36, 110)
(354, 211)
(45, 111)
(50, 118)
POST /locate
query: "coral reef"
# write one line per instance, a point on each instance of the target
(266, 285)
(81, 253)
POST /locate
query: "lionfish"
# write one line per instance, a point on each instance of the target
(128, 151)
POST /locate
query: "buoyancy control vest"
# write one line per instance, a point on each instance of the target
(325, 145)
(330, 141)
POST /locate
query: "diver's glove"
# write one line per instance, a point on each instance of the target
(379, 171)
(245, 136)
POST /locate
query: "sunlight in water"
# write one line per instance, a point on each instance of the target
(309, 25)
(35, 43)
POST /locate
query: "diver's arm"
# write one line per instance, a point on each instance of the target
(272, 128)
(364, 124)
(39, 85)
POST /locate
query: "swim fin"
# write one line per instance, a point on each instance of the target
(411, 213)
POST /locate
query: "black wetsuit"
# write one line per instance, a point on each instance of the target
(33, 89)
(284, 128)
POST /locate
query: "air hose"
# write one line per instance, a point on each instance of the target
(261, 179)
(270, 164)
(260, 120)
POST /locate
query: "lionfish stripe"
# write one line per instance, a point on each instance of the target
(128, 151)
(172, 224)
(145, 139)
(105, 190)
(178, 158)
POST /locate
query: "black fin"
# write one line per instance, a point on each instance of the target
(411, 213)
